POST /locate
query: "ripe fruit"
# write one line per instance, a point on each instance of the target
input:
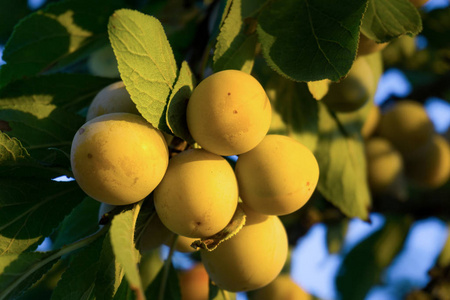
(353, 91)
(278, 176)
(198, 195)
(118, 158)
(194, 283)
(384, 165)
(432, 168)
(111, 99)
(371, 123)
(407, 126)
(228, 113)
(252, 258)
(368, 46)
(282, 288)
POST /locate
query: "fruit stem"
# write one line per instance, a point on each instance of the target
(167, 268)
(63, 251)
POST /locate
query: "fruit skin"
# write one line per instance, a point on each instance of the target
(407, 126)
(252, 258)
(352, 92)
(282, 288)
(118, 158)
(111, 99)
(228, 113)
(278, 176)
(431, 169)
(198, 195)
(385, 167)
(194, 283)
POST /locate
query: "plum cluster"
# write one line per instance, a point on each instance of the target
(119, 158)
(403, 147)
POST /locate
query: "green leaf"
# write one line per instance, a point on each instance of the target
(124, 292)
(10, 14)
(122, 241)
(172, 289)
(176, 107)
(366, 262)
(149, 266)
(110, 272)
(16, 162)
(236, 43)
(70, 92)
(81, 222)
(146, 62)
(11, 150)
(81, 274)
(39, 124)
(294, 111)
(55, 36)
(31, 209)
(310, 40)
(19, 271)
(342, 164)
(385, 20)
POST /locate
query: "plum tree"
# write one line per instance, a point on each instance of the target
(407, 126)
(205, 197)
(228, 113)
(278, 176)
(111, 99)
(282, 288)
(431, 169)
(252, 258)
(118, 158)
(353, 91)
(385, 169)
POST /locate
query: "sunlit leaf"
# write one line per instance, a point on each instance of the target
(146, 62)
(236, 43)
(385, 20)
(122, 241)
(56, 36)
